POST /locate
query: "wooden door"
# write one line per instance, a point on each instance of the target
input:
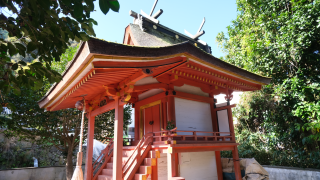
(152, 119)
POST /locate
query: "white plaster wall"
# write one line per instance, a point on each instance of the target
(149, 93)
(222, 104)
(223, 121)
(193, 116)
(198, 165)
(191, 89)
(148, 80)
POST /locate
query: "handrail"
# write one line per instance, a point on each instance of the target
(136, 153)
(105, 155)
(195, 134)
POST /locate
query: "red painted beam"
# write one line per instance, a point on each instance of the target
(103, 109)
(151, 86)
(225, 107)
(193, 97)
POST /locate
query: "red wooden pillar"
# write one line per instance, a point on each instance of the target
(88, 168)
(172, 161)
(118, 141)
(154, 170)
(231, 123)
(136, 123)
(236, 163)
(213, 115)
(219, 165)
(171, 110)
(164, 113)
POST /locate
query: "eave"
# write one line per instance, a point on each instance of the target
(99, 63)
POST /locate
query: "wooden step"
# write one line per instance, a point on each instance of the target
(109, 165)
(104, 177)
(127, 153)
(145, 169)
(161, 142)
(154, 154)
(124, 160)
(149, 161)
(107, 172)
(177, 178)
(140, 177)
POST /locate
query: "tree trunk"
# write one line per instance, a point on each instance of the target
(69, 165)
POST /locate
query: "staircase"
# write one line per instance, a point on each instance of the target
(137, 161)
(143, 171)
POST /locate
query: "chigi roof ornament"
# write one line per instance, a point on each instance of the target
(198, 34)
(150, 24)
(155, 16)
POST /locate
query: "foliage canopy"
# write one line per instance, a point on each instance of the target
(42, 30)
(279, 39)
(58, 128)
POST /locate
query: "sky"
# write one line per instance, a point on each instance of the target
(178, 15)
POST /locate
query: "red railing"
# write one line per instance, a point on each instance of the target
(143, 147)
(192, 136)
(138, 154)
(103, 159)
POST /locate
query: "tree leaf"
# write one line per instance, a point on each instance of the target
(22, 63)
(78, 9)
(20, 46)
(104, 6)
(114, 5)
(31, 47)
(12, 49)
(14, 66)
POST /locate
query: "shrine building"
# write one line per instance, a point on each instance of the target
(170, 80)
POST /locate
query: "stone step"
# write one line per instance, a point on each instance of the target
(124, 160)
(110, 165)
(127, 153)
(104, 177)
(154, 154)
(149, 161)
(107, 172)
(140, 177)
(177, 178)
(145, 169)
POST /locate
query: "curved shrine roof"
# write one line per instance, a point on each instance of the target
(100, 63)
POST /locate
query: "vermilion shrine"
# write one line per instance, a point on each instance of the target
(165, 76)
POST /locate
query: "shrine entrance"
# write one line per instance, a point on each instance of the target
(151, 118)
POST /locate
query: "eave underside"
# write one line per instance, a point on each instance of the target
(176, 71)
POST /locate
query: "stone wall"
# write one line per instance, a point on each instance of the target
(19, 154)
(290, 173)
(44, 173)
(51, 156)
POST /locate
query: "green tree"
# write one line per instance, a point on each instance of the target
(42, 30)
(280, 39)
(59, 128)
